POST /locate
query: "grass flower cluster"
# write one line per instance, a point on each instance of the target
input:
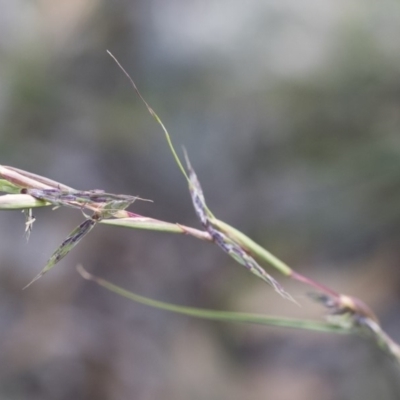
(25, 191)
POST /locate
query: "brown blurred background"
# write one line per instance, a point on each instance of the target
(290, 111)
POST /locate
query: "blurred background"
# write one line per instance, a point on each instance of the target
(290, 112)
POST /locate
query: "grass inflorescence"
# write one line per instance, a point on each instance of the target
(25, 190)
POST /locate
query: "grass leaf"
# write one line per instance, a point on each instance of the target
(226, 316)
